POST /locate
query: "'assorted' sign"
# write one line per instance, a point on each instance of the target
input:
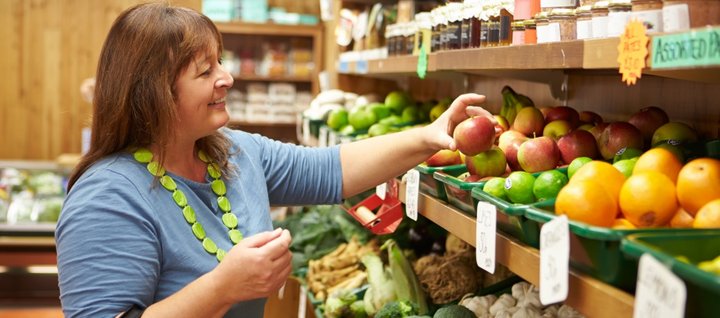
(699, 47)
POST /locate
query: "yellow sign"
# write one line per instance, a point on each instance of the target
(632, 52)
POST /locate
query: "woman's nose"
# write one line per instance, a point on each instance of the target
(225, 80)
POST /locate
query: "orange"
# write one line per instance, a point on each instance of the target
(623, 224)
(698, 183)
(681, 219)
(708, 217)
(610, 178)
(587, 201)
(660, 160)
(648, 199)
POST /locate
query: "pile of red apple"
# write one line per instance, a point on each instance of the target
(541, 139)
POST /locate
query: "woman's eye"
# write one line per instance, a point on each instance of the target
(207, 72)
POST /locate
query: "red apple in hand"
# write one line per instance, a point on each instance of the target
(619, 135)
(648, 119)
(529, 121)
(474, 135)
(538, 154)
(589, 117)
(578, 143)
(557, 128)
(444, 157)
(489, 163)
(566, 113)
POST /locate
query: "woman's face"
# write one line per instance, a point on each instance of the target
(201, 90)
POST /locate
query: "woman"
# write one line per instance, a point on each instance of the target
(165, 192)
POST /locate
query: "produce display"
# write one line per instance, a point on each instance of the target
(522, 301)
(31, 196)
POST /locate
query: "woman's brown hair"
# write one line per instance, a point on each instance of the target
(147, 48)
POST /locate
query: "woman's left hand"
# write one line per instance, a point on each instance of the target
(439, 133)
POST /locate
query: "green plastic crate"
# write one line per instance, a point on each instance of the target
(595, 250)
(511, 218)
(703, 288)
(429, 185)
(458, 191)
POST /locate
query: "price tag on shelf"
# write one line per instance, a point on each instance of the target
(632, 51)
(554, 260)
(344, 67)
(323, 138)
(302, 302)
(485, 235)
(659, 293)
(306, 129)
(412, 189)
(361, 67)
(422, 62)
(381, 189)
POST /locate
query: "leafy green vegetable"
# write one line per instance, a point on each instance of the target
(407, 286)
(382, 287)
(397, 309)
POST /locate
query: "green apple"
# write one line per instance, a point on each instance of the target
(337, 118)
(679, 132)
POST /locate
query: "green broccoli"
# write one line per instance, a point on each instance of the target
(397, 309)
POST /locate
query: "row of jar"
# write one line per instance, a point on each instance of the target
(459, 26)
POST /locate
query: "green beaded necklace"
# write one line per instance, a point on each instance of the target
(229, 219)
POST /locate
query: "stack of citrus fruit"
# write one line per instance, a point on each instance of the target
(659, 192)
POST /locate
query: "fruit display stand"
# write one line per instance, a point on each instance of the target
(588, 295)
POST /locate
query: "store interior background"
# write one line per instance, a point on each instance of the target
(51, 46)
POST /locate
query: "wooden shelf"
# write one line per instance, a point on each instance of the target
(587, 295)
(246, 28)
(260, 78)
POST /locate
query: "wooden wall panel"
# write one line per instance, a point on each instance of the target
(47, 48)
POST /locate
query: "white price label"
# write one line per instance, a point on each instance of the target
(306, 129)
(302, 302)
(323, 142)
(554, 260)
(332, 138)
(485, 234)
(659, 293)
(380, 190)
(412, 188)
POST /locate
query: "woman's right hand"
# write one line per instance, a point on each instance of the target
(256, 267)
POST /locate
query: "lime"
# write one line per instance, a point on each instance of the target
(496, 188)
(397, 101)
(519, 187)
(361, 118)
(674, 147)
(576, 164)
(436, 111)
(409, 115)
(378, 129)
(627, 153)
(381, 111)
(337, 118)
(626, 166)
(548, 184)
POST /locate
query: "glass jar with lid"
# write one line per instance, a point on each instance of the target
(475, 24)
(390, 39)
(436, 30)
(679, 15)
(650, 13)
(618, 16)
(518, 37)
(562, 24)
(599, 19)
(453, 31)
(584, 22)
(505, 19)
(542, 25)
(530, 31)
(424, 32)
(466, 14)
(410, 30)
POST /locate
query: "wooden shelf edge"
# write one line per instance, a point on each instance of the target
(559, 55)
(246, 28)
(588, 295)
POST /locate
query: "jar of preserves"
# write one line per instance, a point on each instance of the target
(530, 31)
(599, 19)
(475, 25)
(390, 39)
(650, 13)
(518, 37)
(453, 31)
(505, 20)
(436, 32)
(680, 15)
(562, 23)
(410, 30)
(618, 16)
(466, 25)
(584, 22)
(542, 25)
(424, 32)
